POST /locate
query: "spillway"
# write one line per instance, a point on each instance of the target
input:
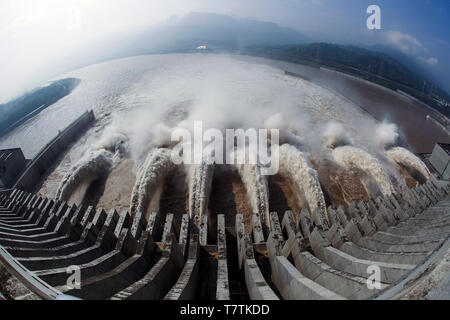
(90, 167)
(200, 180)
(257, 188)
(155, 167)
(295, 165)
(353, 157)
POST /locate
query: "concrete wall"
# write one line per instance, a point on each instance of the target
(441, 161)
(47, 156)
(12, 163)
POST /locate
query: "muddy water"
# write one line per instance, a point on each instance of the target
(340, 186)
(383, 104)
(118, 187)
(282, 196)
(228, 193)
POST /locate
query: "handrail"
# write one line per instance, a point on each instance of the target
(28, 278)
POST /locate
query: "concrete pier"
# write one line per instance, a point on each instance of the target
(124, 257)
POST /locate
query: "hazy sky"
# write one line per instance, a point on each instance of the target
(38, 36)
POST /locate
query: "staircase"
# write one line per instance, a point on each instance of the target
(42, 242)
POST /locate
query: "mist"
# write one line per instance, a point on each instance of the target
(139, 102)
(225, 93)
(43, 39)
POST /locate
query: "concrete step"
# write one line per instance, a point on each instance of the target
(344, 284)
(387, 237)
(423, 220)
(342, 261)
(107, 284)
(159, 279)
(420, 247)
(317, 264)
(366, 254)
(34, 237)
(420, 231)
(291, 283)
(186, 286)
(75, 234)
(48, 226)
(80, 257)
(257, 286)
(59, 276)
(47, 252)
(47, 243)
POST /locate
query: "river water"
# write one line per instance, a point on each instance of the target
(159, 82)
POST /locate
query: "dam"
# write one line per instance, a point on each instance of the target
(349, 203)
(125, 257)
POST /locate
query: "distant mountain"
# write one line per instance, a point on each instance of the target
(215, 31)
(411, 62)
(375, 66)
(432, 74)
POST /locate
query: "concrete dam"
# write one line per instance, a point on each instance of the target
(131, 257)
(351, 213)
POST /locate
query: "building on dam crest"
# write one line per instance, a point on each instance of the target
(12, 163)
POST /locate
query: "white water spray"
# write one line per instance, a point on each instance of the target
(102, 157)
(295, 165)
(93, 165)
(156, 166)
(257, 187)
(352, 157)
(335, 135)
(409, 160)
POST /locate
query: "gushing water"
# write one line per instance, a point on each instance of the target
(93, 165)
(200, 182)
(102, 157)
(352, 157)
(287, 137)
(155, 167)
(295, 165)
(257, 188)
(409, 160)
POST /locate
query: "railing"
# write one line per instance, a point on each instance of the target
(30, 280)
